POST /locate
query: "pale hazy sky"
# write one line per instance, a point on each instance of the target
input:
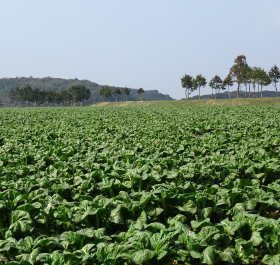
(136, 43)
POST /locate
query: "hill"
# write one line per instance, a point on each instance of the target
(59, 84)
(186, 103)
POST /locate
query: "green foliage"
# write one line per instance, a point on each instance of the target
(237, 69)
(199, 82)
(216, 83)
(236, 72)
(187, 83)
(79, 93)
(116, 93)
(76, 93)
(195, 185)
(227, 82)
(274, 75)
(126, 92)
(105, 91)
(140, 91)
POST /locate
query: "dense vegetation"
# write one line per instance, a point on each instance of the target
(146, 186)
(27, 95)
(58, 85)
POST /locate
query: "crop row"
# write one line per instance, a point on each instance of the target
(139, 186)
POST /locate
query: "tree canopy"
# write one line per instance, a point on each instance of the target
(187, 83)
(240, 73)
(116, 93)
(216, 83)
(105, 92)
(140, 91)
(274, 75)
(37, 96)
(126, 92)
(198, 82)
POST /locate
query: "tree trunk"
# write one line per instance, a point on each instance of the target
(187, 93)
(246, 91)
(254, 90)
(199, 93)
(212, 93)
(215, 93)
(258, 90)
(261, 90)
(237, 94)
(249, 91)
(276, 90)
(228, 92)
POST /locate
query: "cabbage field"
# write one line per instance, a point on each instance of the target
(150, 185)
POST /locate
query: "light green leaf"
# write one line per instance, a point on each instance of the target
(208, 256)
(189, 207)
(227, 255)
(21, 223)
(29, 257)
(143, 255)
(256, 238)
(271, 260)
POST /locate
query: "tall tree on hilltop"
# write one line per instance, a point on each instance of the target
(216, 83)
(187, 83)
(255, 78)
(264, 79)
(274, 75)
(126, 92)
(245, 73)
(140, 91)
(116, 92)
(236, 71)
(259, 76)
(79, 93)
(227, 82)
(105, 91)
(249, 78)
(199, 82)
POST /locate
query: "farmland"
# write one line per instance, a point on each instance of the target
(155, 185)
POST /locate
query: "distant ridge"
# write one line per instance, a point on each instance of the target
(60, 84)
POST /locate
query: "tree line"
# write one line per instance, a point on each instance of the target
(107, 92)
(240, 73)
(29, 96)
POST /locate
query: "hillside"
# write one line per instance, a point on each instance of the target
(59, 84)
(203, 102)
